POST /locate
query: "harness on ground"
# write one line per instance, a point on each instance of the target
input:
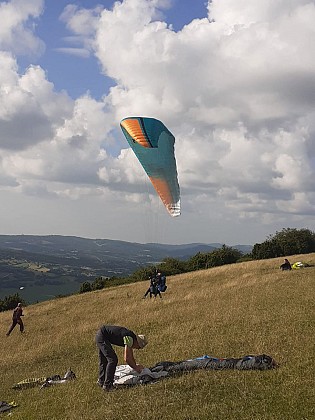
(44, 381)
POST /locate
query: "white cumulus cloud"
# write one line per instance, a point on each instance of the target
(236, 88)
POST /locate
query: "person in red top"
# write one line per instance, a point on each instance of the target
(106, 337)
(16, 319)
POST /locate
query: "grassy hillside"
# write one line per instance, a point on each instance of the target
(229, 311)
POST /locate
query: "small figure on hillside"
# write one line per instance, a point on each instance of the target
(161, 282)
(153, 288)
(16, 319)
(286, 265)
(107, 336)
(149, 288)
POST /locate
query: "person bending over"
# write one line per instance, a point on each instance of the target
(106, 337)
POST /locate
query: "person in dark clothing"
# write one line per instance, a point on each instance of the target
(286, 265)
(161, 282)
(16, 319)
(106, 337)
(153, 288)
(150, 288)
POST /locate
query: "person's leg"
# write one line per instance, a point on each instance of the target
(101, 368)
(112, 361)
(20, 322)
(107, 361)
(14, 322)
(99, 339)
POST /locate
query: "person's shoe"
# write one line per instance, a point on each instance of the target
(99, 383)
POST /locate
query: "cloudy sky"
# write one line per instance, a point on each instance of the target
(234, 81)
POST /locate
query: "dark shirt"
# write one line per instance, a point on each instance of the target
(17, 313)
(115, 334)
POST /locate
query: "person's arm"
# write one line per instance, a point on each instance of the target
(130, 360)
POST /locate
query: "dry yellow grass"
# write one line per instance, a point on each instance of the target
(229, 311)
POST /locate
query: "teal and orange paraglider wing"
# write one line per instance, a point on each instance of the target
(153, 145)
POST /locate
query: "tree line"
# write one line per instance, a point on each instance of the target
(288, 241)
(284, 243)
(10, 302)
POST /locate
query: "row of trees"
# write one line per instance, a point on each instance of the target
(285, 243)
(10, 302)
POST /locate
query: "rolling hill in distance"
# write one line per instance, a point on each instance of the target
(42, 267)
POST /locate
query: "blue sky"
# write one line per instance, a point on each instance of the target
(233, 81)
(75, 74)
(78, 75)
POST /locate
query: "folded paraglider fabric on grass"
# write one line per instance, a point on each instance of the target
(125, 375)
(249, 362)
(299, 264)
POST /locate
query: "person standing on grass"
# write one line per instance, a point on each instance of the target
(106, 337)
(16, 319)
(150, 289)
(153, 289)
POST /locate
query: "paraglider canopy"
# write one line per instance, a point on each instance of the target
(153, 144)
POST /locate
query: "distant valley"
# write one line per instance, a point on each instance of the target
(42, 267)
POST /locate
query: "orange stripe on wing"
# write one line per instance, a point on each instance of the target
(133, 128)
(163, 190)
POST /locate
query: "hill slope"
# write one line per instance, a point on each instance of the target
(229, 311)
